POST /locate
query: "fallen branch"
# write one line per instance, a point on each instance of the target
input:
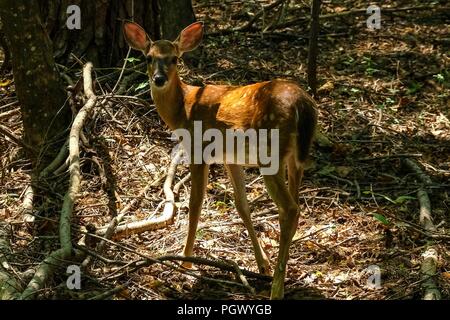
(178, 185)
(147, 260)
(242, 277)
(48, 266)
(429, 270)
(108, 294)
(215, 263)
(17, 140)
(27, 205)
(60, 158)
(428, 267)
(46, 269)
(152, 223)
(74, 159)
(108, 231)
(415, 168)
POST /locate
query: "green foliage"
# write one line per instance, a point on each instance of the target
(414, 87)
(381, 218)
(439, 77)
(142, 85)
(370, 66)
(133, 59)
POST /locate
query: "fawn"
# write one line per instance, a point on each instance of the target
(276, 104)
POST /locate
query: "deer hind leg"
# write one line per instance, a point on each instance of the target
(199, 178)
(295, 175)
(236, 174)
(288, 217)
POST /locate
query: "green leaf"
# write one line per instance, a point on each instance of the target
(439, 77)
(381, 218)
(385, 197)
(403, 199)
(414, 87)
(390, 101)
(326, 170)
(133, 59)
(142, 85)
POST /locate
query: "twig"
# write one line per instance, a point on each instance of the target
(153, 223)
(197, 260)
(122, 71)
(108, 231)
(415, 168)
(177, 186)
(109, 293)
(60, 157)
(9, 113)
(11, 135)
(242, 277)
(215, 263)
(46, 268)
(391, 156)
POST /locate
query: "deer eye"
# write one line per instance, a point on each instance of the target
(174, 60)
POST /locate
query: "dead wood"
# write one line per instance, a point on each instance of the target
(430, 256)
(152, 223)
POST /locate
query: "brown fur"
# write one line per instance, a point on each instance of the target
(276, 104)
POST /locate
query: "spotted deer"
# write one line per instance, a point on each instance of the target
(277, 104)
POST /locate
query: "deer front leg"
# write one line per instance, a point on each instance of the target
(288, 217)
(236, 174)
(199, 179)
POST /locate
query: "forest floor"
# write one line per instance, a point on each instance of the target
(384, 98)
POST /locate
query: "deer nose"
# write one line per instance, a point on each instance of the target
(159, 80)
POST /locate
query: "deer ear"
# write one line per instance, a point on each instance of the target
(190, 37)
(136, 36)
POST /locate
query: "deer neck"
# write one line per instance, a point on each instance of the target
(169, 102)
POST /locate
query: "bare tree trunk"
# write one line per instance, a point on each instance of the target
(175, 15)
(100, 38)
(312, 52)
(41, 94)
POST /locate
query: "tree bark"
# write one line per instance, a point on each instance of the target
(40, 92)
(175, 15)
(100, 38)
(312, 52)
